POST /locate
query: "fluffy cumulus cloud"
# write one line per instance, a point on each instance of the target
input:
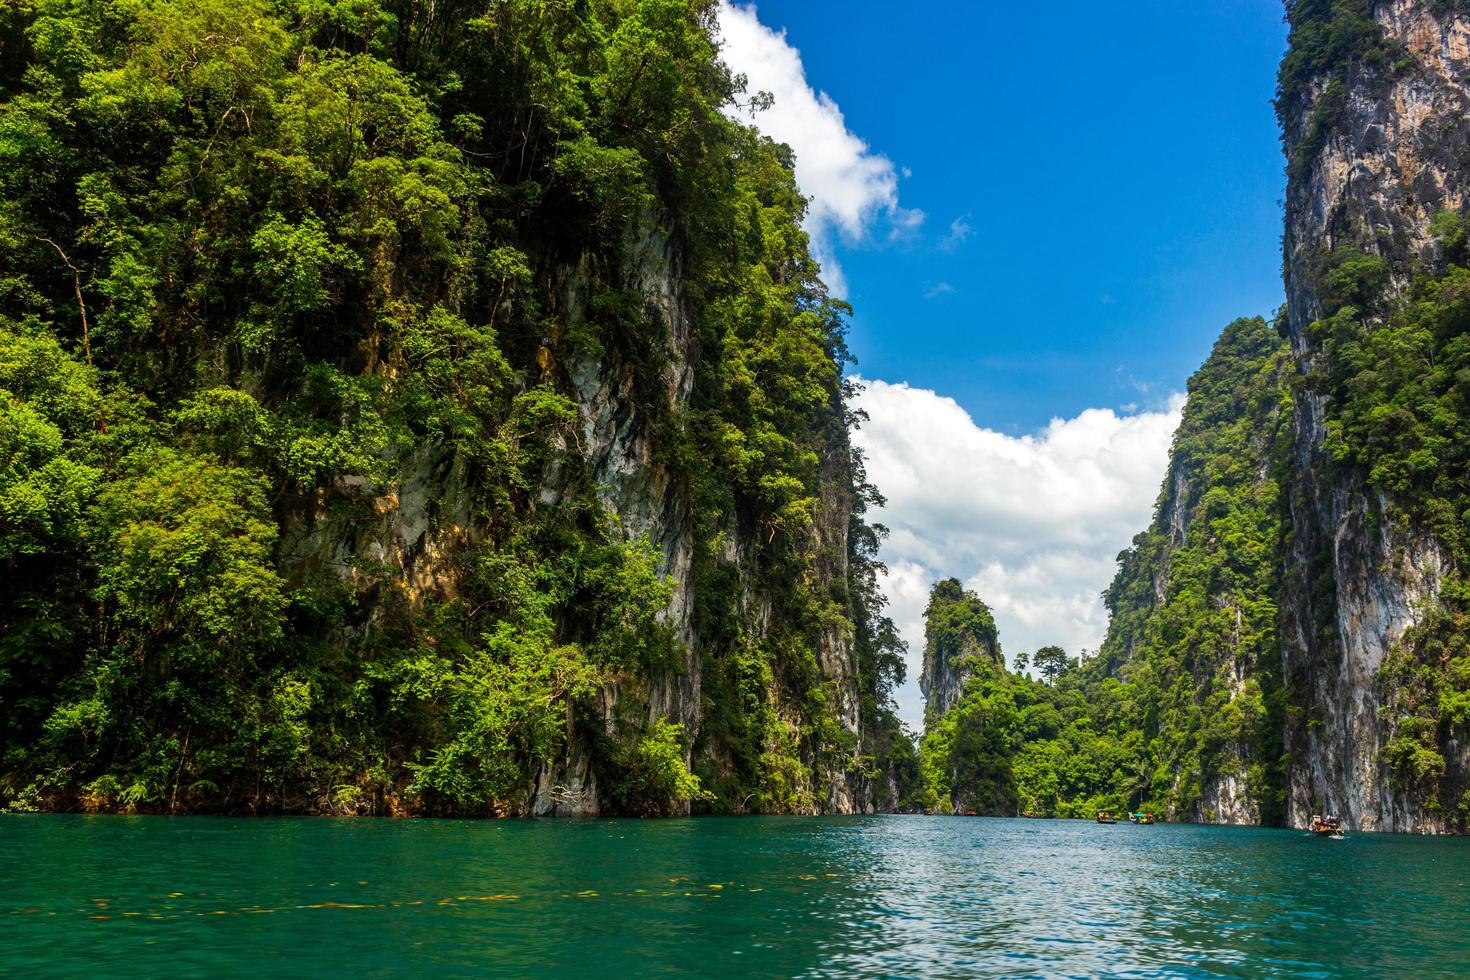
(851, 188)
(1033, 523)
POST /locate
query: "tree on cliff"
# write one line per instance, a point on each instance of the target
(1052, 662)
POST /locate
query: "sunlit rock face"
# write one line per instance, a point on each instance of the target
(960, 641)
(651, 499)
(944, 676)
(424, 522)
(1370, 174)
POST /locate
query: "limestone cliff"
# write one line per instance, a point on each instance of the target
(1292, 620)
(1192, 607)
(421, 524)
(434, 413)
(652, 499)
(1376, 131)
(959, 639)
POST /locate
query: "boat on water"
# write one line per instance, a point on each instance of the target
(1106, 816)
(1142, 816)
(1326, 827)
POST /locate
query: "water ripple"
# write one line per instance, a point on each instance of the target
(839, 897)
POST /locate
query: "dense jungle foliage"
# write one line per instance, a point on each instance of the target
(1395, 370)
(273, 270)
(1186, 688)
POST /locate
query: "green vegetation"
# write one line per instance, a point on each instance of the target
(1194, 612)
(1328, 41)
(273, 273)
(1186, 695)
(1186, 689)
(959, 640)
(1015, 745)
(1328, 38)
(1395, 367)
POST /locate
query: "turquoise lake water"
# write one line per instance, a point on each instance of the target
(861, 896)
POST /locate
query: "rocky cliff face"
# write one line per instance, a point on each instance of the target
(944, 677)
(1377, 143)
(1192, 610)
(959, 641)
(647, 497)
(651, 499)
(423, 523)
(475, 441)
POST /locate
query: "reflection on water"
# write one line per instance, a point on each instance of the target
(877, 896)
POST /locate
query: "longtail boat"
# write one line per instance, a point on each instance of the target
(1326, 827)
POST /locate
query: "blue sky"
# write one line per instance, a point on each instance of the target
(1043, 219)
(1117, 166)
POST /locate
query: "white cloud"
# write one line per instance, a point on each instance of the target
(905, 222)
(850, 186)
(959, 230)
(1032, 523)
(938, 290)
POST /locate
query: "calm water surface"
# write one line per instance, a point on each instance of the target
(875, 896)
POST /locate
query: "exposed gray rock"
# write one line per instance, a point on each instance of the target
(944, 676)
(1395, 157)
(423, 518)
